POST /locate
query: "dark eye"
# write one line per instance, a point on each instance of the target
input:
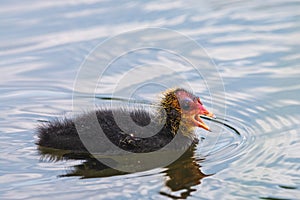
(185, 104)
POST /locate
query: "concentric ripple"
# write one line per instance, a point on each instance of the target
(228, 140)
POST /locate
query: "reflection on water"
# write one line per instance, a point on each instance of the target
(177, 177)
(255, 46)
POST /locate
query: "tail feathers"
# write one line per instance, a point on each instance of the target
(60, 134)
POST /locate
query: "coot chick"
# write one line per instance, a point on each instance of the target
(178, 114)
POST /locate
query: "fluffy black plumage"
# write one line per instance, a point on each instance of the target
(64, 134)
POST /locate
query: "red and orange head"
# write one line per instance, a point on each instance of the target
(187, 106)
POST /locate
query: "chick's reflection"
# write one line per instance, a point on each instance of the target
(181, 176)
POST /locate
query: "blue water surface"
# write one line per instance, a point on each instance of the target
(254, 46)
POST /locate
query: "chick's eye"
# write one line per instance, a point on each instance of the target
(185, 104)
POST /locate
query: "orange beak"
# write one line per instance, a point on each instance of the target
(198, 121)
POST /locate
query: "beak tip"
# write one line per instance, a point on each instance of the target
(212, 115)
(207, 128)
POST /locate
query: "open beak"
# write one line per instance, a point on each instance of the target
(198, 121)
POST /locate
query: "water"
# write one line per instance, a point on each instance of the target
(255, 46)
